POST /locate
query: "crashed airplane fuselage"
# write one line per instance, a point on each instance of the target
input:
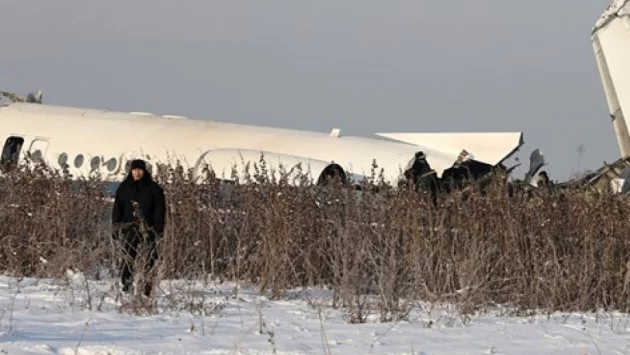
(84, 141)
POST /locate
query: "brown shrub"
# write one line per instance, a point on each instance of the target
(379, 249)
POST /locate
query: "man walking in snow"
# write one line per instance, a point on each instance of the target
(138, 220)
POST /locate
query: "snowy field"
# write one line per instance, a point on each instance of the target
(54, 317)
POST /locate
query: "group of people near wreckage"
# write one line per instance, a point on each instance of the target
(421, 176)
(140, 194)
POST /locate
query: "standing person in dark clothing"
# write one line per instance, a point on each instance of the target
(544, 181)
(141, 190)
(423, 177)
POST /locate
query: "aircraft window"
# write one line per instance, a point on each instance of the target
(37, 156)
(111, 164)
(78, 161)
(11, 152)
(63, 159)
(94, 163)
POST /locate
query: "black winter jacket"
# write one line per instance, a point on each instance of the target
(150, 197)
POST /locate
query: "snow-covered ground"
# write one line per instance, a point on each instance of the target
(53, 317)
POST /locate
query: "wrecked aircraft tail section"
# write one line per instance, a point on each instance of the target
(611, 44)
(610, 37)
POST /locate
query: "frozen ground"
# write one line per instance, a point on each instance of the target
(53, 317)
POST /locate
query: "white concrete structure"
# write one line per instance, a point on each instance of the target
(611, 43)
(87, 139)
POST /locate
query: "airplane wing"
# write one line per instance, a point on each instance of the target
(490, 148)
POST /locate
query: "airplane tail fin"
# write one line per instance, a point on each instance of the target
(490, 148)
(611, 44)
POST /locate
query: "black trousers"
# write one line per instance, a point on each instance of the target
(135, 245)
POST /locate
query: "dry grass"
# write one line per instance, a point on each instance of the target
(380, 250)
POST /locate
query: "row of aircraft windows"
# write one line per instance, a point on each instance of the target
(13, 146)
(95, 162)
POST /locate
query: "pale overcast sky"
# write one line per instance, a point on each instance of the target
(363, 66)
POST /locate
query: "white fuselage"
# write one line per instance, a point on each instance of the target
(105, 140)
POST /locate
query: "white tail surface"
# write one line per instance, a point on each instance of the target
(611, 44)
(490, 148)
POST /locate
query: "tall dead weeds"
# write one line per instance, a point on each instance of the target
(380, 249)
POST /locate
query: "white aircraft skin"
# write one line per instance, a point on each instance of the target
(610, 37)
(65, 134)
(611, 43)
(488, 147)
